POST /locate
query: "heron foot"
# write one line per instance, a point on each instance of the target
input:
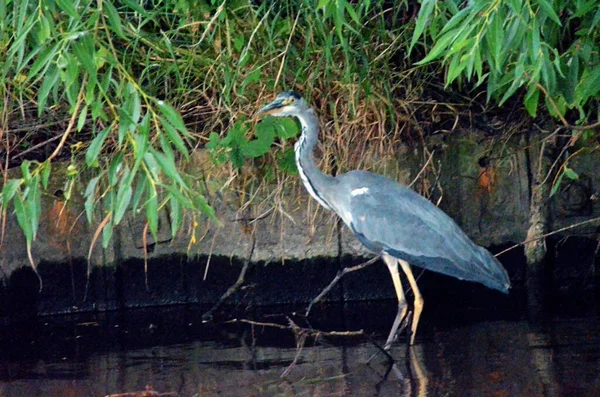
(400, 324)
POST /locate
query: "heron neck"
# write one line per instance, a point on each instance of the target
(316, 182)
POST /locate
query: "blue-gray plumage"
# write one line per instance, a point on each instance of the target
(390, 219)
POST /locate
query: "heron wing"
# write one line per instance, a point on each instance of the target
(389, 217)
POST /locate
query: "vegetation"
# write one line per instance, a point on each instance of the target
(120, 74)
(125, 90)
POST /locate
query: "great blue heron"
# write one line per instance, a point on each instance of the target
(389, 219)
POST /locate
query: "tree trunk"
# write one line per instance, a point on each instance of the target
(535, 251)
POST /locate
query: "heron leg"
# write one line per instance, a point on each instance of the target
(418, 298)
(392, 264)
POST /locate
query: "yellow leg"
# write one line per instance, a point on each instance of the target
(392, 264)
(418, 298)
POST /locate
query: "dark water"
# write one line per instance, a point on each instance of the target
(468, 352)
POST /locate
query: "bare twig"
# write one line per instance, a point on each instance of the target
(287, 47)
(548, 234)
(99, 229)
(34, 147)
(337, 278)
(422, 169)
(67, 132)
(241, 278)
(312, 331)
(300, 334)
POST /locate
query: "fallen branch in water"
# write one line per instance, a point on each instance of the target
(294, 327)
(337, 278)
(300, 335)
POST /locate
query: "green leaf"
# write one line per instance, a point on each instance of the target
(113, 169)
(152, 164)
(174, 137)
(202, 204)
(49, 83)
(82, 118)
(139, 191)
(42, 62)
(323, 3)
(9, 189)
(352, 13)
(90, 190)
(34, 204)
(236, 136)
(287, 161)
(113, 18)
(91, 155)
(17, 47)
(422, 19)
(68, 8)
(253, 77)
(453, 22)
(287, 128)
(47, 167)
(84, 50)
(152, 211)
(123, 199)
(549, 11)
(569, 85)
(532, 99)
(176, 215)
(23, 217)
(548, 75)
(236, 157)
(556, 185)
(173, 116)
(90, 195)
(137, 8)
(214, 141)
(140, 148)
(25, 172)
(595, 21)
(256, 148)
(167, 165)
(183, 200)
(455, 68)
(440, 45)
(569, 173)
(107, 234)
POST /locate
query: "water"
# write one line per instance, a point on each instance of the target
(466, 353)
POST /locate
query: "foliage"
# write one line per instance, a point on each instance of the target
(548, 47)
(236, 147)
(124, 71)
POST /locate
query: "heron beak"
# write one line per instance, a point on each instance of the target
(271, 107)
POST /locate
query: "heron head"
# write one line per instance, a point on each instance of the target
(288, 103)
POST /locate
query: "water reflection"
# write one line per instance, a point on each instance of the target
(491, 358)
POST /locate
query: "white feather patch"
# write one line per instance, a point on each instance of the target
(362, 190)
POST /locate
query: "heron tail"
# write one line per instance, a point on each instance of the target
(494, 275)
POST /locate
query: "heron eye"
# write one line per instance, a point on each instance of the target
(291, 100)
